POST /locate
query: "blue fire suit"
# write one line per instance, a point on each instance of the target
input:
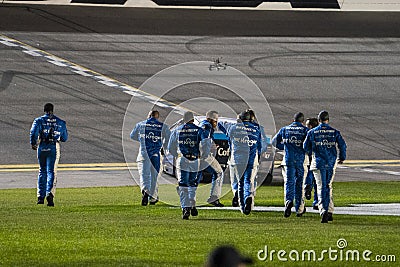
(245, 145)
(185, 145)
(290, 138)
(152, 135)
(321, 142)
(264, 147)
(209, 163)
(48, 130)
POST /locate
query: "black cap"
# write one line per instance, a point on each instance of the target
(188, 116)
(226, 256)
(298, 117)
(48, 107)
(323, 116)
(245, 116)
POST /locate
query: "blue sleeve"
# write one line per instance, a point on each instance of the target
(260, 143)
(277, 140)
(135, 132)
(342, 146)
(222, 128)
(64, 132)
(227, 126)
(172, 144)
(307, 144)
(34, 134)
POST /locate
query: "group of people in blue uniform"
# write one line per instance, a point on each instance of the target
(310, 156)
(192, 148)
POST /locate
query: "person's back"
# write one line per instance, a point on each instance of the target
(245, 141)
(292, 137)
(325, 139)
(49, 129)
(150, 133)
(189, 138)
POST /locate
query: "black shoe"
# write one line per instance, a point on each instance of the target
(315, 207)
(50, 201)
(301, 214)
(216, 203)
(247, 206)
(186, 213)
(153, 201)
(288, 209)
(40, 200)
(330, 217)
(308, 192)
(235, 200)
(145, 198)
(194, 211)
(324, 217)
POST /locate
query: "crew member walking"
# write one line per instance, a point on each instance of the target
(152, 135)
(46, 134)
(184, 145)
(321, 142)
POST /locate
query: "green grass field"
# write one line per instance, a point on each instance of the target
(108, 227)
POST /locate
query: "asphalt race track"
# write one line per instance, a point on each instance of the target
(346, 63)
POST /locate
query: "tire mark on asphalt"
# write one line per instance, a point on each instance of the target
(6, 79)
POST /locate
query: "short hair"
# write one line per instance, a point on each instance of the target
(323, 116)
(48, 107)
(313, 122)
(212, 114)
(298, 117)
(245, 116)
(188, 116)
(154, 114)
(252, 114)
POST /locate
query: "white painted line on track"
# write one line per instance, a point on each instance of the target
(85, 72)
(391, 209)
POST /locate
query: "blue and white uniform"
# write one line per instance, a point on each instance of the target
(211, 164)
(48, 131)
(245, 146)
(290, 139)
(152, 135)
(321, 142)
(184, 145)
(264, 147)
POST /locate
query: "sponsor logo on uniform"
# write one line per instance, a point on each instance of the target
(326, 143)
(188, 142)
(293, 140)
(151, 136)
(245, 140)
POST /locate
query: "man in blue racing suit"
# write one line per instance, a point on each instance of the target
(46, 134)
(209, 126)
(245, 146)
(185, 144)
(152, 135)
(264, 146)
(321, 143)
(290, 138)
